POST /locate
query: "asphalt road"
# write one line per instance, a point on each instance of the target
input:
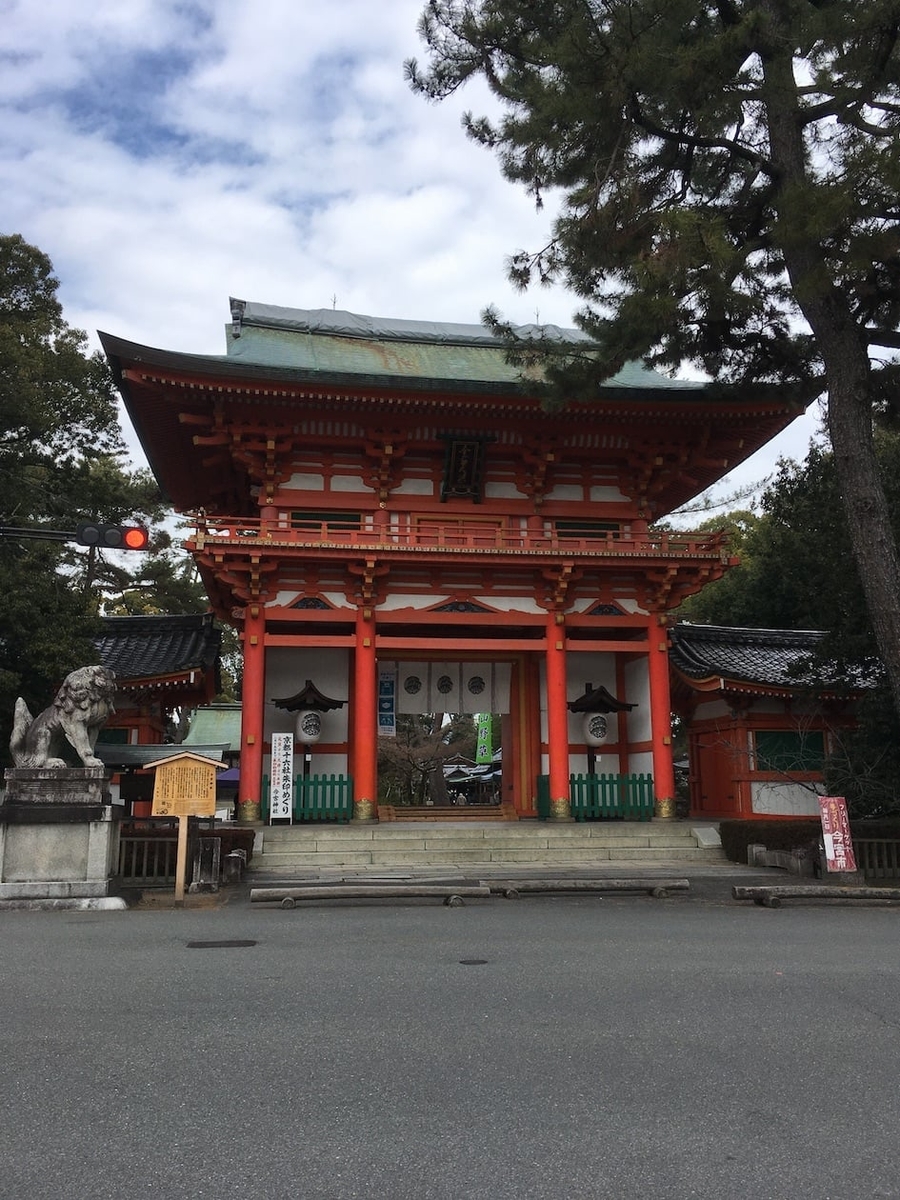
(551, 1048)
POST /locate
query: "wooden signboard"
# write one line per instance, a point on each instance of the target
(184, 786)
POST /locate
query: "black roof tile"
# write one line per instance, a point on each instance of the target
(148, 647)
(766, 657)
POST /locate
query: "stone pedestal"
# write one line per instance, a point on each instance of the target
(59, 839)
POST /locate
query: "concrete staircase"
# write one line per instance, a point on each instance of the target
(283, 852)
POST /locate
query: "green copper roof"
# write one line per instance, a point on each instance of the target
(334, 342)
(217, 724)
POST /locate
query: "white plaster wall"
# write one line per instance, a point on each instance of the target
(502, 491)
(403, 600)
(783, 800)
(287, 670)
(640, 764)
(598, 669)
(349, 483)
(321, 764)
(306, 481)
(610, 494)
(566, 491)
(523, 604)
(282, 599)
(592, 667)
(338, 599)
(414, 487)
(637, 691)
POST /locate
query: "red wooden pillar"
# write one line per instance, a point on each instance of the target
(365, 719)
(557, 719)
(252, 702)
(661, 723)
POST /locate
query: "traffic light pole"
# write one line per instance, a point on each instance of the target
(91, 534)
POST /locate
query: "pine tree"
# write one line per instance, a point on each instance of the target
(729, 173)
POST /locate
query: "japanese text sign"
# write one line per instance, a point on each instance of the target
(836, 834)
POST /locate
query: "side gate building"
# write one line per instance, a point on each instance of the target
(397, 523)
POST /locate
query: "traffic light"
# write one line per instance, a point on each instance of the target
(112, 537)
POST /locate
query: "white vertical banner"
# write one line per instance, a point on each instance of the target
(387, 702)
(281, 778)
(477, 689)
(444, 695)
(500, 690)
(413, 687)
(450, 687)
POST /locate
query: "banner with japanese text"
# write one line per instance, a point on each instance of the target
(484, 749)
(281, 778)
(387, 703)
(839, 854)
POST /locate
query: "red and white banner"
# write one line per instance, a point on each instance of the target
(836, 834)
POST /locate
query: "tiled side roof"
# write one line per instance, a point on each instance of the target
(766, 657)
(148, 647)
(214, 724)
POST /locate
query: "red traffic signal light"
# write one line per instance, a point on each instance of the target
(112, 537)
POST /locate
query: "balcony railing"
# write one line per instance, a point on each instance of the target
(415, 533)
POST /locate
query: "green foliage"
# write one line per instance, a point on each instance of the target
(865, 766)
(410, 764)
(727, 172)
(653, 118)
(61, 456)
(797, 572)
(797, 569)
(57, 403)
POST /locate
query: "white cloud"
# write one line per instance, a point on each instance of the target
(167, 154)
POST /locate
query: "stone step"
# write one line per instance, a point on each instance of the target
(498, 833)
(303, 848)
(287, 864)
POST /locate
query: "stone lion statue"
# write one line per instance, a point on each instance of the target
(76, 716)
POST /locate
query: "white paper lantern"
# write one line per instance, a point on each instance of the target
(309, 726)
(596, 728)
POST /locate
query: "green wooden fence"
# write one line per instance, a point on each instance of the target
(595, 797)
(317, 798)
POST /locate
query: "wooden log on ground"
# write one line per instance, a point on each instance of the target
(771, 896)
(452, 894)
(513, 888)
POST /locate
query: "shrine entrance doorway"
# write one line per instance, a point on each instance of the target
(452, 741)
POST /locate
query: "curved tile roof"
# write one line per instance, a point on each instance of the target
(765, 657)
(156, 646)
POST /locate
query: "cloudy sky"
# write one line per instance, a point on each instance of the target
(168, 154)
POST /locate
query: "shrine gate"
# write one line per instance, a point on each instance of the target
(388, 511)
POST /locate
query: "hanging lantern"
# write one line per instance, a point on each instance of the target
(309, 726)
(595, 704)
(309, 705)
(596, 728)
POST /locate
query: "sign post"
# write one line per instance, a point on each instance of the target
(184, 786)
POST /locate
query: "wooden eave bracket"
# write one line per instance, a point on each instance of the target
(536, 462)
(369, 573)
(559, 582)
(386, 450)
